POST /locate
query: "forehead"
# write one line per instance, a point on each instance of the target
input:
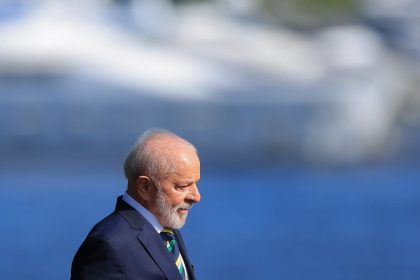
(187, 167)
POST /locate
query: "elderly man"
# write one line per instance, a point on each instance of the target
(141, 238)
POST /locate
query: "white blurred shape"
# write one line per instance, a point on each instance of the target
(274, 51)
(54, 38)
(350, 47)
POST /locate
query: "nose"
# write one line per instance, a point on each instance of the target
(194, 194)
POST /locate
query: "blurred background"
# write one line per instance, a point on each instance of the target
(306, 114)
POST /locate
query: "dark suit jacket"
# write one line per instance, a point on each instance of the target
(125, 245)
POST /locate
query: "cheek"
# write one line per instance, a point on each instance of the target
(176, 199)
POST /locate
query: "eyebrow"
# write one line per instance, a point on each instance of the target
(188, 182)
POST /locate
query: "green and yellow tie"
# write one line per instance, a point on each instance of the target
(169, 238)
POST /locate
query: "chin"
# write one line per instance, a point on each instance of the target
(179, 224)
(176, 222)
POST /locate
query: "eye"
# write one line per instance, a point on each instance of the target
(181, 187)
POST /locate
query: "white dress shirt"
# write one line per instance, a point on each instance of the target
(151, 219)
(146, 213)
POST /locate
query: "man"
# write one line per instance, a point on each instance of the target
(141, 238)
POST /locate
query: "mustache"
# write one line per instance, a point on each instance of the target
(184, 205)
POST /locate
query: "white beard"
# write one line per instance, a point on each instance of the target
(171, 218)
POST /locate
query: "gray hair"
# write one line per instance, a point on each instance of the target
(146, 160)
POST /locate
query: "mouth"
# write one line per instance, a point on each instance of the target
(184, 209)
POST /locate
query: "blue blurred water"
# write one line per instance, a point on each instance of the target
(251, 224)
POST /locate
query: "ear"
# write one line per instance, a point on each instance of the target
(143, 184)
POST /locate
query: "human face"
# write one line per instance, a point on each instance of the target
(177, 193)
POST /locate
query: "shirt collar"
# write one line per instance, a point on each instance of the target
(143, 211)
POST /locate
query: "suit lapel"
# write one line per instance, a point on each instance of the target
(150, 239)
(183, 251)
(156, 248)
